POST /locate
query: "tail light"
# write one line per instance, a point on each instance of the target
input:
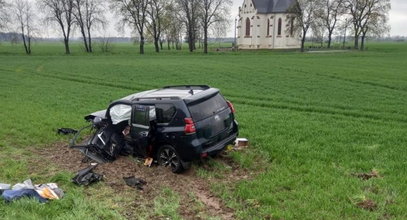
(231, 106)
(189, 126)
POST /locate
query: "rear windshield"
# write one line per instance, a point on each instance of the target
(208, 108)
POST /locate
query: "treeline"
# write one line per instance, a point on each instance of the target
(324, 17)
(172, 21)
(161, 20)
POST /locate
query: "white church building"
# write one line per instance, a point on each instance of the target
(267, 24)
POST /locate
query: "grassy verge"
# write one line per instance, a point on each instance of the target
(316, 118)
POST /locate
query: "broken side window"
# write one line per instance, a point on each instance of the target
(165, 113)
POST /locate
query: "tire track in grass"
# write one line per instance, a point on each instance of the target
(238, 99)
(319, 110)
(149, 86)
(343, 79)
(93, 82)
(295, 102)
(144, 86)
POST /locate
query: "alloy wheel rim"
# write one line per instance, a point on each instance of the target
(169, 158)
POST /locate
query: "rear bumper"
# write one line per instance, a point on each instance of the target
(191, 148)
(221, 145)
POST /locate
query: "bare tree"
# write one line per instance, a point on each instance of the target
(376, 20)
(343, 28)
(134, 13)
(357, 10)
(318, 32)
(61, 12)
(377, 26)
(24, 17)
(105, 44)
(364, 13)
(220, 30)
(3, 14)
(213, 11)
(330, 13)
(88, 14)
(189, 14)
(173, 26)
(156, 14)
(306, 14)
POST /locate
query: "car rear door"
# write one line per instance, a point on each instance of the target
(140, 124)
(213, 119)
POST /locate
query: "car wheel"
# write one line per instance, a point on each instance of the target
(168, 157)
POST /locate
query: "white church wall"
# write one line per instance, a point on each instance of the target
(246, 11)
(259, 39)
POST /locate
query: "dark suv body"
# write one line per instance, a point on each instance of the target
(177, 124)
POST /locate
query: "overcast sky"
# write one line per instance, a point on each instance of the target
(398, 20)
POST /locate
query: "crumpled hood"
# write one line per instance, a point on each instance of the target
(100, 114)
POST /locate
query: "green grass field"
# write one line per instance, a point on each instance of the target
(316, 118)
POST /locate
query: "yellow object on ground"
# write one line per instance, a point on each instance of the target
(148, 161)
(47, 193)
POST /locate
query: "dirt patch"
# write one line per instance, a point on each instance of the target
(368, 204)
(157, 178)
(367, 176)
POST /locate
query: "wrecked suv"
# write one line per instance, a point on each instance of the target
(174, 125)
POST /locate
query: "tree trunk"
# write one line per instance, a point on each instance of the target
(362, 44)
(67, 50)
(25, 43)
(156, 45)
(29, 45)
(303, 41)
(329, 39)
(190, 41)
(161, 44)
(356, 46)
(85, 40)
(90, 41)
(141, 44)
(168, 44)
(206, 39)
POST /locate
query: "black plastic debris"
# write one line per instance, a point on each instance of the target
(86, 176)
(66, 131)
(134, 182)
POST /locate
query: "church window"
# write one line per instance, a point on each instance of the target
(292, 26)
(279, 26)
(247, 27)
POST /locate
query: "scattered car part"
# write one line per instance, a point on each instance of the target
(66, 131)
(148, 161)
(242, 142)
(134, 182)
(87, 176)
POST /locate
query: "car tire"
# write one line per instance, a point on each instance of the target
(169, 157)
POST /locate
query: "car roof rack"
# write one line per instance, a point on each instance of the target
(158, 98)
(203, 87)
